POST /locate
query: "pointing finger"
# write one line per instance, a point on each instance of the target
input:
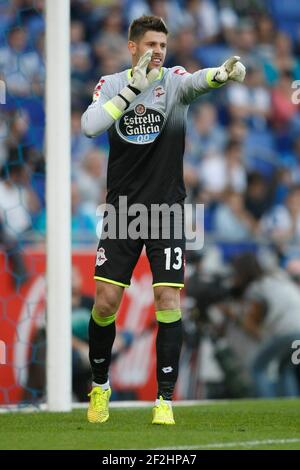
(230, 62)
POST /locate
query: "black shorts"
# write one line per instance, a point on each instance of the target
(116, 257)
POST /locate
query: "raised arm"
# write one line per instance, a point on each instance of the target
(202, 81)
(109, 105)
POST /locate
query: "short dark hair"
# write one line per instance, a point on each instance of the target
(232, 145)
(247, 269)
(141, 25)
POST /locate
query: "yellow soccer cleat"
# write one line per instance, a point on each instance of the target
(162, 413)
(98, 408)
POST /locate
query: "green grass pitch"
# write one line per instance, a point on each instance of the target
(240, 424)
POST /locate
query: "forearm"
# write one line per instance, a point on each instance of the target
(198, 83)
(96, 120)
(204, 80)
(99, 117)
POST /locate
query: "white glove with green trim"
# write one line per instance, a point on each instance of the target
(139, 82)
(232, 69)
(140, 78)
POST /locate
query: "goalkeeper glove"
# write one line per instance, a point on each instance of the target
(139, 82)
(232, 69)
(140, 78)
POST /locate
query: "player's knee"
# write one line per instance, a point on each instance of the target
(105, 306)
(167, 298)
(106, 302)
(102, 309)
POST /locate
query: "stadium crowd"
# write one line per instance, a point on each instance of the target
(242, 148)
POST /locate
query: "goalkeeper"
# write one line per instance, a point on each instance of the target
(144, 110)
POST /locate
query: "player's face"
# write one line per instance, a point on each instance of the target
(151, 40)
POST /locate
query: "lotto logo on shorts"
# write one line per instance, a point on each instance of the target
(101, 258)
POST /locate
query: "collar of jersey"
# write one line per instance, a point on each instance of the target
(161, 72)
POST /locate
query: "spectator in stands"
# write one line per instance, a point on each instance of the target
(250, 101)
(109, 63)
(80, 66)
(78, 37)
(90, 177)
(282, 59)
(39, 75)
(237, 131)
(18, 66)
(273, 317)
(18, 130)
(258, 195)
(282, 224)
(204, 134)
(182, 48)
(205, 16)
(212, 174)
(232, 222)
(83, 217)
(18, 202)
(266, 31)
(18, 205)
(283, 108)
(109, 45)
(292, 267)
(235, 166)
(8, 12)
(246, 40)
(14, 257)
(217, 171)
(228, 28)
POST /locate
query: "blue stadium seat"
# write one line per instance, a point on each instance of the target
(289, 9)
(287, 16)
(230, 250)
(290, 27)
(213, 54)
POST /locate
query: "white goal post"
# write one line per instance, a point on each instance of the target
(58, 204)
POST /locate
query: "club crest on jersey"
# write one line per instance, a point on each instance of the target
(101, 258)
(159, 91)
(140, 110)
(140, 125)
